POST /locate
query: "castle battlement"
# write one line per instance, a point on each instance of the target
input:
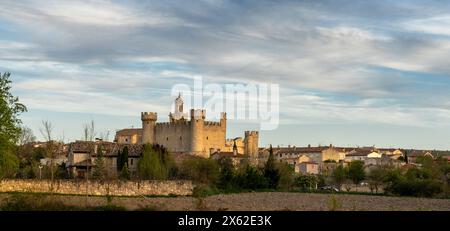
(198, 114)
(212, 123)
(251, 133)
(172, 124)
(191, 133)
(149, 116)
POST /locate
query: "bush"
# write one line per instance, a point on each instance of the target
(251, 178)
(418, 188)
(21, 202)
(200, 170)
(227, 174)
(202, 190)
(306, 182)
(415, 182)
(286, 173)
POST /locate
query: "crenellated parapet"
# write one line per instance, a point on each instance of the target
(198, 114)
(150, 116)
(212, 123)
(148, 127)
(251, 133)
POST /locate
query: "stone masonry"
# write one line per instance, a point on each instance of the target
(115, 188)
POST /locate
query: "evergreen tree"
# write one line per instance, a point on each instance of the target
(406, 157)
(124, 173)
(339, 175)
(356, 171)
(119, 162)
(270, 170)
(122, 159)
(226, 176)
(150, 166)
(99, 162)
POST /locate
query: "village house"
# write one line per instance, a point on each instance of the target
(82, 154)
(412, 157)
(307, 168)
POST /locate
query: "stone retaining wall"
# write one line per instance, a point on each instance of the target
(114, 188)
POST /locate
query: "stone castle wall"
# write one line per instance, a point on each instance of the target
(115, 188)
(214, 136)
(178, 136)
(175, 136)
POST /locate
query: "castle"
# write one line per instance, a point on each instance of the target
(195, 136)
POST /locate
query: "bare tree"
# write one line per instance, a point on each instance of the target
(89, 131)
(62, 137)
(26, 135)
(46, 131)
(105, 135)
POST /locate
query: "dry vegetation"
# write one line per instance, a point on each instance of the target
(281, 201)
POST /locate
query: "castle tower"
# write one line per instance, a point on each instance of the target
(148, 127)
(251, 140)
(197, 136)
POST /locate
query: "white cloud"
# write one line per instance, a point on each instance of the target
(438, 25)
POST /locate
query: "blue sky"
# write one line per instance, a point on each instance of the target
(350, 72)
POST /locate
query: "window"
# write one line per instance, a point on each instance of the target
(131, 161)
(126, 140)
(206, 138)
(167, 138)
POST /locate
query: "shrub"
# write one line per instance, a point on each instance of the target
(286, 173)
(227, 174)
(203, 190)
(252, 178)
(21, 202)
(306, 182)
(200, 170)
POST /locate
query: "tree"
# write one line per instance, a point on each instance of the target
(50, 146)
(149, 166)
(61, 172)
(122, 158)
(270, 171)
(10, 109)
(339, 175)
(286, 173)
(306, 182)
(356, 171)
(375, 178)
(226, 176)
(124, 173)
(252, 178)
(26, 135)
(89, 131)
(99, 172)
(200, 170)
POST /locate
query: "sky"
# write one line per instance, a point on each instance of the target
(350, 73)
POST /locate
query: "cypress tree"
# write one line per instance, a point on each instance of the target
(270, 171)
(99, 169)
(119, 161)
